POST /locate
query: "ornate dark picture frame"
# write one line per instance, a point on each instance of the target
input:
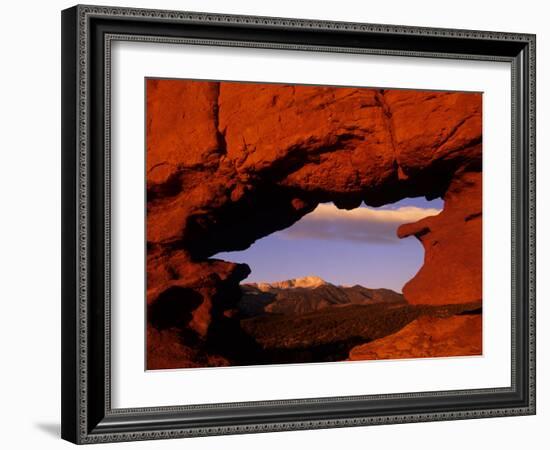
(87, 34)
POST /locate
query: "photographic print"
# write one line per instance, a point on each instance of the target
(295, 223)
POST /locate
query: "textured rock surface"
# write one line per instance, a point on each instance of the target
(452, 271)
(229, 163)
(427, 337)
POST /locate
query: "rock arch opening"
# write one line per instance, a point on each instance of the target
(341, 247)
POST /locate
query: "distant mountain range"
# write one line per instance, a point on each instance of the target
(308, 294)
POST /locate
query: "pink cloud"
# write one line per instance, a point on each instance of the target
(369, 225)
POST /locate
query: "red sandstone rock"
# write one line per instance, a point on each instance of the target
(167, 350)
(452, 269)
(181, 126)
(434, 127)
(427, 337)
(229, 163)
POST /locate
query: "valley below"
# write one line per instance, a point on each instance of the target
(332, 333)
(308, 320)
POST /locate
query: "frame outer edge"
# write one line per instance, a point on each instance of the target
(69, 290)
(532, 143)
(295, 23)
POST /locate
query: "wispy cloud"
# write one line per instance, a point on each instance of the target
(367, 225)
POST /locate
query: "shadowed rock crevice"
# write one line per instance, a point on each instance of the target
(173, 308)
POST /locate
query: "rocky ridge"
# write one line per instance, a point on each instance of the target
(308, 294)
(307, 282)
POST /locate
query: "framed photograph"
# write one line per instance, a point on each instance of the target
(279, 224)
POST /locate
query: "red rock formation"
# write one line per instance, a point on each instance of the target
(426, 337)
(165, 351)
(229, 163)
(452, 271)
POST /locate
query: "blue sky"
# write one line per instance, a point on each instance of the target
(342, 247)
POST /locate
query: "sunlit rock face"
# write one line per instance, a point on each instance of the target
(230, 163)
(426, 337)
(452, 271)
